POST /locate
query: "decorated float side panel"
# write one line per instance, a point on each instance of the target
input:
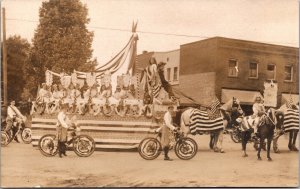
(108, 132)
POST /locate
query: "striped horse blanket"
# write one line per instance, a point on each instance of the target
(201, 122)
(291, 119)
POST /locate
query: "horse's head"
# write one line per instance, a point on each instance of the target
(279, 116)
(269, 118)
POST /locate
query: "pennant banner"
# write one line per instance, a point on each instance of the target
(110, 67)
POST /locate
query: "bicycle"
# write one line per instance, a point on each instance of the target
(82, 145)
(185, 148)
(7, 136)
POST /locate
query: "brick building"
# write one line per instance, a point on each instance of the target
(234, 68)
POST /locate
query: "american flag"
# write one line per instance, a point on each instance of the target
(289, 102)
(215, 103)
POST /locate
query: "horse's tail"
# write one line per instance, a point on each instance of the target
(184, 120)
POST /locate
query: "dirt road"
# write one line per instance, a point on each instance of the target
(24, 166)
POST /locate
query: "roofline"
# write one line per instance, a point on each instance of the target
(166, 51)
(241, 40)
(159, 52)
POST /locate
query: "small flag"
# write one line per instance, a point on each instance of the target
(215, 103)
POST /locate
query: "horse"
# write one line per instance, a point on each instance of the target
(269, 121)
(193, 120)
(290, 125)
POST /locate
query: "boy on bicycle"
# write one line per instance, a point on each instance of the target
(13, 119)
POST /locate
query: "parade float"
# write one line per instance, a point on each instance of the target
(117, 112)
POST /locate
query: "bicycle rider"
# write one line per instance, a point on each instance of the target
(165, 131)
(62, 130)
(14, 119)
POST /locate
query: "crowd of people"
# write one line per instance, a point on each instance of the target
(79, 100)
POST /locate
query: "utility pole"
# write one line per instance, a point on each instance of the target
(4, 68)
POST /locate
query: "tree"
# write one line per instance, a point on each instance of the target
(61, 41)
(17, 57)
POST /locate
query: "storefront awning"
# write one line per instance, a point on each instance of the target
(245, 97)
(287, 97)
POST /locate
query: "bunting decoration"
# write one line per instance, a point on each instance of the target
(80, 82)
(126, 55)
(65, 80)
(74, 78)
(90, 79)
(106, 79)
(49, 78)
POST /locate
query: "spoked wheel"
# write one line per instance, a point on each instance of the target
(186, 149)
(26, 135)
(84, 145)
(149, 148)
(48, 145)
(4, 138)
(235, 137)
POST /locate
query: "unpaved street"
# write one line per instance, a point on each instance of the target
(24, 166)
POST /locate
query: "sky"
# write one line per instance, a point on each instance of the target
(178, 22)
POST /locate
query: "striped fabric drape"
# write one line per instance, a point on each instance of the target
(200, 122)
(114, 64)
(291, 120)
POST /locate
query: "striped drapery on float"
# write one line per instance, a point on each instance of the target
(115, 63)
(113, 132)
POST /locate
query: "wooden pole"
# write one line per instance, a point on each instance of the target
(4, 68)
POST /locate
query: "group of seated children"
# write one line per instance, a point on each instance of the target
(77, 98)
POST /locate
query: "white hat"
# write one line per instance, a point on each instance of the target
(239, 120)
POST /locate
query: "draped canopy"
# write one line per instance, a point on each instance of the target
(112, 66)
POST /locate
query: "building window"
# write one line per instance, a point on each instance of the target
(175, 76)
(168, 74)
(253, 70)
(288, 73)
(233, 68)
(167, 59)
(271, 71)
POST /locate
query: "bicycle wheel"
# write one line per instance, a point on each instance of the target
(48, 145)
(149, 148)
(84, 145)
(26, 135)
(186, 148)
(235, 136)
(4, 138)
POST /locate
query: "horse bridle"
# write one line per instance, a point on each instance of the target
(270, 118)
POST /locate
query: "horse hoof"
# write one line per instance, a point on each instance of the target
(269, 159)
(259, 158)
(222, 151)
(294, 148)
(245, 155)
